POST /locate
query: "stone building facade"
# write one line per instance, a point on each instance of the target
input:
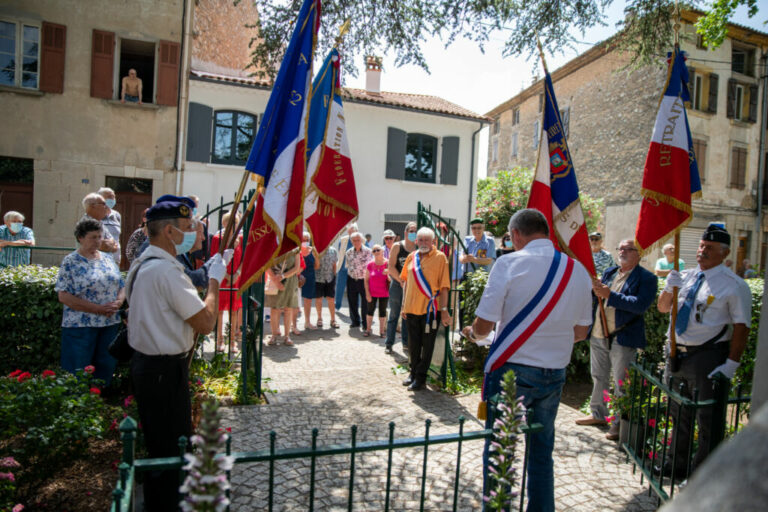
(609, 113)
(66, 132)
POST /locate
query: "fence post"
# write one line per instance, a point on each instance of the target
(719, 410)
(128, 436)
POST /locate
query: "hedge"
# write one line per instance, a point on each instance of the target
(30, 319)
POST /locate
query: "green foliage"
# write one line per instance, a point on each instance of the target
(30, 319)
(714, 26)
(46, 420)
(472, 291)
(499, 197)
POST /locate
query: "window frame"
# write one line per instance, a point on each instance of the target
(698, 88)
(496, 125)
(233, 136)
(749, 54)
(421, 136)
(737, 177)
(118, 57)
(495, 149)
(514, 145)
(738, 100)
(515, 116)
(19, 38)
(702, 163)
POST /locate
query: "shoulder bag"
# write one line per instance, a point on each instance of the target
(119, 348)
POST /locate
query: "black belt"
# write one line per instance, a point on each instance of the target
(162, 357)
(707, 345)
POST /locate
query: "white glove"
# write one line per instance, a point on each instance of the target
(728, 369)
(674, 279)
(217, 269)
(228, 256)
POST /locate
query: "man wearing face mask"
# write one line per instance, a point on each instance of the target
(15, 240)
(165, 314)
(397, 256)
(426, 283)
(112, 222)
(96, 208)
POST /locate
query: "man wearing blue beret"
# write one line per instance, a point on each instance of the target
(165, 314)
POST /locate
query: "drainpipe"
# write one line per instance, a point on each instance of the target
(761, 160)
(472, 174)
(181, 100)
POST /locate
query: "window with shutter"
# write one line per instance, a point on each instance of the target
(168, 73)
(233, 136)
(713, 84)
(516, 116)
(700, 152)
(420, 157)
(731, 103)
(139, 56)
(396, 140)
(102, 64)
(19, 54)
(752, 113)
(449, 166)
(52, 57)
(199, 124)
(738, 167)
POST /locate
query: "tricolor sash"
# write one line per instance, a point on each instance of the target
(518, 330)
(426, 290)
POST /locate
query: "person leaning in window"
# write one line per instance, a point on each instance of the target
(90, 286)
(15, 241)
(377, 289)
(131, 88)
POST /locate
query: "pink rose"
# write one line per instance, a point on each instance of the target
(95, 391)
(89, 369)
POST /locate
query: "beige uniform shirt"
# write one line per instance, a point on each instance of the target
(161, 300)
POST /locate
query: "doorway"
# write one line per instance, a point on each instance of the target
(133, 196)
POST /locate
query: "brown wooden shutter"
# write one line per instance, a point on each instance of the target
(168, 73)
(52, 57)
(752, 104)
(102, 64)
(738, 167)
(713, 83)
(731, 103)
(692, 87)
(700, 151)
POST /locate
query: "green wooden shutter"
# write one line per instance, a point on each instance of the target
(395, 153)
(450, 161)
(199, 127)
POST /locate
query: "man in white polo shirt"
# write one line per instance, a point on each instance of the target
(542, 302)
(165, 314)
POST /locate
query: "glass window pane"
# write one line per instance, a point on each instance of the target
(7, 29)
(224, 119)
(30, 64)
(7, 69)
(29, 80)
(412, 157)
(427, 158)
(245, 126)
(7, 45)
(30, 48)
(222, 146)
(31, 33)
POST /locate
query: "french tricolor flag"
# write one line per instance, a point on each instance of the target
(671, 175)
(278, 155)
(555, 191)
(330, 202)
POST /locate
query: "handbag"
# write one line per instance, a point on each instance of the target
(120, 349)
(270, 288)
(302, 280)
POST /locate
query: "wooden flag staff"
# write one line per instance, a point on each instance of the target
(233, 213)
(603, 319)
(675, 290)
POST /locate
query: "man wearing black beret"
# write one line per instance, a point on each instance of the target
(714, 314)
(165, 314)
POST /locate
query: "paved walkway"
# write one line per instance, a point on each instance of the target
(332, 379)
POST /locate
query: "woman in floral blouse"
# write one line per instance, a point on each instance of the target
(92, 290)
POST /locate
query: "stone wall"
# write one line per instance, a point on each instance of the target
(220, 38)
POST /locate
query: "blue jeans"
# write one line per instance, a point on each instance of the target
(341, 285)
(395, 305)
(81, 346)
(541, 390)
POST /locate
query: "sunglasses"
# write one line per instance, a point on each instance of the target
(376, 250)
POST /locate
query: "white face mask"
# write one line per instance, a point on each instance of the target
(16, 226)
(110, 203)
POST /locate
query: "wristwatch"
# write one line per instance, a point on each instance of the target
(444, 308)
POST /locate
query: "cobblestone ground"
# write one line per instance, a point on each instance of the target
(333, 379)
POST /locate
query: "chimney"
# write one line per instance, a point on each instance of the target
(373, 75)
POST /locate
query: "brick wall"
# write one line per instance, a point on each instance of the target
(220, 38)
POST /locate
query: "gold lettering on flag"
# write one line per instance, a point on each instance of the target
(668, 135)
(295, 98)
(259, 233)
(339, 168)
(326, 98)
(553, 130)
(302, 58)
(282, 187)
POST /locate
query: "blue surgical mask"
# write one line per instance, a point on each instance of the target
(16, 226)
(412, 237)
(188, 241)
(110, 203)
(194, 212)
(507, 243)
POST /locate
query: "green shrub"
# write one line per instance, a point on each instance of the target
(46, 420)
(30, 319)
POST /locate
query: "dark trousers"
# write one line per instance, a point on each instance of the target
(420, 344)
(161, 388)
(693, 375)
(357, 302)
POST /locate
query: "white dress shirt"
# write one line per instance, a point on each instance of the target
(513, 282)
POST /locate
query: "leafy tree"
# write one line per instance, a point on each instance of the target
(498, 198)
(402, 26)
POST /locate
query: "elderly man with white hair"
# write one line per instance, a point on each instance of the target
(96, 208)
(15, 240)
(426, 282)
(357, 259)
(112, 222)
(667, 262)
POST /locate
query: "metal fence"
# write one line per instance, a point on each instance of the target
(656, 406)
(130, 468)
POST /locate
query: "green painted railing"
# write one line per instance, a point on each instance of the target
(650, 421)
(129, 468)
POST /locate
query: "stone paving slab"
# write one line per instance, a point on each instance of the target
(333, 379)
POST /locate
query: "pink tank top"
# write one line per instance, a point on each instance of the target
(378, 281)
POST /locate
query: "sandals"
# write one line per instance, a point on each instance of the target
(366, 333)
(296, 332)
(273, 339)
(288, 342)
(319, 323)
(334, 325)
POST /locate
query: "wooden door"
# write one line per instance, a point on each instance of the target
(131, 206)
(18, 197)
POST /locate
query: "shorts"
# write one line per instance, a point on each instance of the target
(325, 289)
(131, 99)
(382, 306)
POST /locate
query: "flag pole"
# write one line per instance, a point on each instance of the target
(603, 319)
(233, 213)
(675, 290)
(247, 212)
